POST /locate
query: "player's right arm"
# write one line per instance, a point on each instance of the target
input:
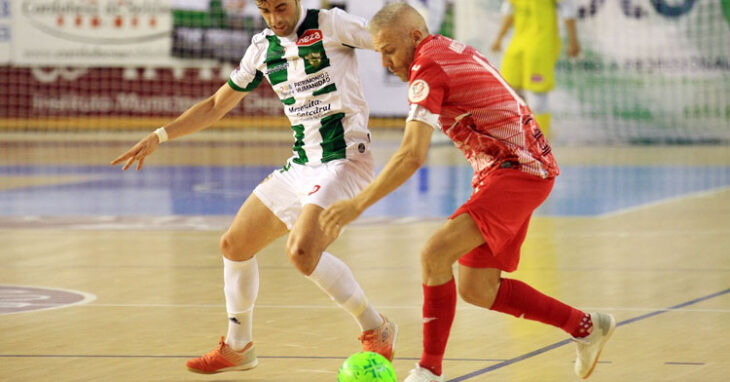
(244, 79)
(508, 20)
(196, 118)
(206, 112)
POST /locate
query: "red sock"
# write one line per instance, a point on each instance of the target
(521, 300)
(439, 306)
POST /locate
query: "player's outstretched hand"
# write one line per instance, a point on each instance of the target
(138, 152)
(337, 216)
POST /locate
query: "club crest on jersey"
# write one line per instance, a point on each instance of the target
(418, 91)
(314, 59)
(310, 37)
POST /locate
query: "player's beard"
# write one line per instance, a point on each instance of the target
(407, 69)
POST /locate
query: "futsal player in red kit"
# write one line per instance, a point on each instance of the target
(454, 89)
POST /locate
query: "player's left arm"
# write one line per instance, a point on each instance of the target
(569, 12)
(407, 159)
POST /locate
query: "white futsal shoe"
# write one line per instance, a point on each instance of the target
(589, 348)
(420, 374)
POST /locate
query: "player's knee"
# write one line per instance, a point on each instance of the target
(225, 244)
(434, 257)
(468, 294)
(232, 247)
(302, 256)
(482, 295)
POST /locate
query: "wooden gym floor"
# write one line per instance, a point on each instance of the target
(641, 232)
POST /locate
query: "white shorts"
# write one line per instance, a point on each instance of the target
(285, 191)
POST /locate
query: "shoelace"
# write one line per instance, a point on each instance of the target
(368, 336)
(210, 356)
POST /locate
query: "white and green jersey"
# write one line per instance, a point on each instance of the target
(314, 73)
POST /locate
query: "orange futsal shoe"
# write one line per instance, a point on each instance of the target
(381, 340)
(223, 359)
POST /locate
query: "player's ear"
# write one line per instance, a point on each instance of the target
(417, 36)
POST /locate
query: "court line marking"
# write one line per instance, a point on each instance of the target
(565, 342)
(87, 299)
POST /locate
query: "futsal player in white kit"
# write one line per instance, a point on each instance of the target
(307, 55)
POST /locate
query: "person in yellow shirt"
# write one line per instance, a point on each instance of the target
(529, 62)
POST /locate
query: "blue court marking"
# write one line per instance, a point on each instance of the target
(435, 191)
(565, 342)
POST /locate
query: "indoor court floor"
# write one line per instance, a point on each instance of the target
(112, 276)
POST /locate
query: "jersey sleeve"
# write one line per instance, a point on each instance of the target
(349, 30)
(428, 86)
(246, 77)
(420, 113)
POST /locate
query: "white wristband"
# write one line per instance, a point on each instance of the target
(161, 134)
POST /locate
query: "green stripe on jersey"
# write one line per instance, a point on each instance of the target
(276, 64)
(313, 55)
(298, 143)
(311, 21)
(327, 89)
(333, 137)
(251, 85)
(288, 101)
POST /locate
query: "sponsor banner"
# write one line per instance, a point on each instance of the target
(650, 71)
(60, 92)
(92, 32)
(5, 34)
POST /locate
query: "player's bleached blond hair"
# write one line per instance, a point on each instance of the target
(399, 15)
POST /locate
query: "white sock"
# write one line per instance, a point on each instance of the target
(241, 286)
(335, 278)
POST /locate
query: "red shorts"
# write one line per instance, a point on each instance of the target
(501, 207)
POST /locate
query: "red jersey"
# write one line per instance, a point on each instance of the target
(476, 108)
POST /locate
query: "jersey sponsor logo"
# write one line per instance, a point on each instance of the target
(536, 78)
(418, 91)
(415, 68)
(310, 37)
(311, 83)
(276, 68)
(310, 110)
(315, 189)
